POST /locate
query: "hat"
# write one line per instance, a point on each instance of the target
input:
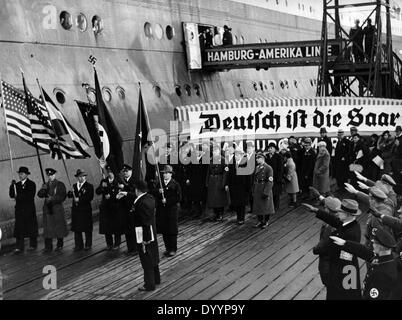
(333, 204)
(226, 27)
(323, 130)
(322, 143)
(23, 170)
(272, 145)
(126, 167)
(260, 155)
(80, 173)
(377, 193)
(350, 206)
(382, 236)
(141, 185)
(307, 141)
(398, 129)
(168, 169)
(50, 171)
(353, 129)
(388, 179)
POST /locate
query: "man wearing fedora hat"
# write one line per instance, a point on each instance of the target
(382, 271)
(346, 227)
(54, 220)
(167, 210)
(326, 139)
(307, 161)
(227, 38)
(81, 211)
(26, 223)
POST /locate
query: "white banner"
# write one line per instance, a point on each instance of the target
(280, 121)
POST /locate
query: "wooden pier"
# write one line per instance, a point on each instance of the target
(215, 260)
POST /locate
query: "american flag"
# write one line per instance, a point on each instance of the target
(17, 118)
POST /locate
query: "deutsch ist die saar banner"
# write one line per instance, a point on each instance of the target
(281, 121)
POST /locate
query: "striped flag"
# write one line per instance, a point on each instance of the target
(17, 118)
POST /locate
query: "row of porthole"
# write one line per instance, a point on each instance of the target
(283, 84)
(81, 22)
(158, 32)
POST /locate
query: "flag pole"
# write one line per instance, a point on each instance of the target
(152, 145)
(8, 135)
(35, 143)
(57, 140)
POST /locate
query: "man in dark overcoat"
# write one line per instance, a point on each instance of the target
(167, 211)
(216, 181)
(239, 185)
(143, 212)
(26, 223)
(54, 220)
(307, 167)
(126, 197)
(274, 160)
(81, 211)
(110, 217)
(341, 160)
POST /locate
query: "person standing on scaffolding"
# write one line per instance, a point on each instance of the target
(356, 36)
(369, 40)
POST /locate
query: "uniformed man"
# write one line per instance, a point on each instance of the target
(263, 204)
(346, 227)
(341, 160)
(238, 185)
(167, 211)
(307, 168)
(143, 212)
(126, 197)
(54, 221)
(381, 276)
(274, 160)
(81, 211)
(216, 183)
(26, 223)
(110, 217)
(251, 164)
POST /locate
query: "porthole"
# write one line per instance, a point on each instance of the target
(91, 95)
(286, 84)
(169, 32)
(81, 22)
(158, 31)
(97, 24)
(312, 82)
(121, 93)
(106, 94)
(157, 90)
(148, 30)
(282, 84)
(271, 83)
(255, 86)
(178, 91)
(296, 83)
(60, 95)
(261, 86)
(188, 90)
(197, 90)
(266, 87)
(66, 20)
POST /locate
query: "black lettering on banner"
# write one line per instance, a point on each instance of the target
(371, 119)
(271, 121)
(239, 123)
(227, 124)
(383, 119)
(318, 119)
(209, 122)
(336, 119)
(257, 120)
(356, 118)
(393, 119)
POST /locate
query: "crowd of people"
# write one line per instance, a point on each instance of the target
(221, 179)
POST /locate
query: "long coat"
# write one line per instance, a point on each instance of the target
(54, 221)
(81, 212)
(167, 215)
(339, 259)
(291, 181)
(239, 184)
(341, 160)
(111, 219)
(197, 173)
(321, 172)
(144, 217)
(125, 204)
(307, 161)
(321, 249)
(276, 163)
(216, 182)
(263, 202)
(26, 222)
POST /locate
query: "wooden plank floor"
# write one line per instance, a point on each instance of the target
(215, 261)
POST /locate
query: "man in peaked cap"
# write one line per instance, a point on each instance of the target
(381, 277)
(346, 227)
(81, 211)
(167, 210)
(26, 223)
(54, 220)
